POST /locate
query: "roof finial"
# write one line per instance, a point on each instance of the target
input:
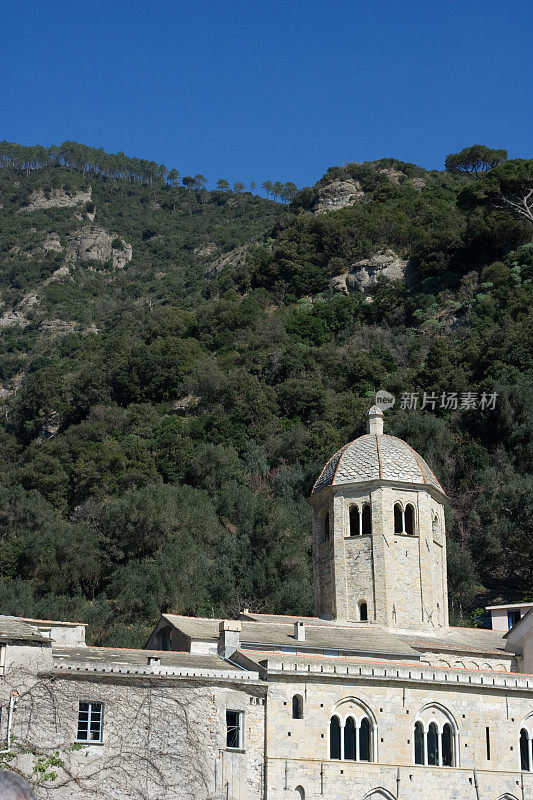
(374, 420)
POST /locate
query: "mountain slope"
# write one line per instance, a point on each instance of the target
(178, 364)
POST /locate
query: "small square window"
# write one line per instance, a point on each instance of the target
(234, 739)
(90, 722)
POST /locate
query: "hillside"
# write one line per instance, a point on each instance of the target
(177, 364)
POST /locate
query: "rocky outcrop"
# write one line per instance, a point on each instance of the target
(57, 198)
(10, 318)
(95, 244)
(336, 195)
(230, 259)
(364, 274)
(52, 242)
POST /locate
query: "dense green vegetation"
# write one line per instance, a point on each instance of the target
(163, 423)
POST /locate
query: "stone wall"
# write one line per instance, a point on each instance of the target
(298, 748)
(162, 738)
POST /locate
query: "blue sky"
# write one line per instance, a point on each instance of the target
(278, 89)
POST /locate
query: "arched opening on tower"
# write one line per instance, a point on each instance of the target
(409, 519)
(366, 520)
(326, 527)
(398, 518)
(355, 521)
(363, 611)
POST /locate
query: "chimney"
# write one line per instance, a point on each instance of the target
(299, 631)
(228, 637)
(374, 421)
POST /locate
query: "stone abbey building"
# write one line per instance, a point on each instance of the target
(375, 698)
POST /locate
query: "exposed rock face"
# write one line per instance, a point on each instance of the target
(95, 244)
(393, 175)
(10, 318)
(206, 249)
(366, 272)
(336, 195)
(52, 242)
(230, 259)
(57, 198)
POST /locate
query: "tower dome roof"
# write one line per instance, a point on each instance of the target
(376, 456)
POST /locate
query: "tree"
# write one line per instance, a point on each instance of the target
(253, 186)
(222, 184)
(289, 191)
(474, 160)
(508, 186)
(173, 176)
(188, 181)
(239, 186)
(277, 189)
(267, 186)
(200, 181)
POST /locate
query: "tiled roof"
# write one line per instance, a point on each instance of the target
(480, 640)
(361, 639)
(15, 629)
(122, 657)
(376, 457)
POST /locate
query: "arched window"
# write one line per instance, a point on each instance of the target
(300, 793)
(326, 527)
(355, 521)
(526, 759)
(447, 745)
(297, 707)
(334, 738)
(404, 519)
(435, 737)
(363, 612)
(435, 526)
(366, 521)
(398, 518)
(409, 519)
(419, 743)
(433, 744)
(365, 741)
(349, 740)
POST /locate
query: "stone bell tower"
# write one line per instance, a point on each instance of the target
(379, 544)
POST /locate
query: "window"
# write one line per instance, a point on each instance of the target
(512, 618)
(404, 519)
(398, 518)
(419, 743)
(526, 750)
(297, 707)
(409, 519)
(90, 722)
(350, 739)
(363, 612)
(234, 730)
(300, 793)
(366, 521)
(435, 737)
(355, 521)
(334, 738)
(326, 527)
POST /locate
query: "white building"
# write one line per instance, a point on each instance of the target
(376, 698)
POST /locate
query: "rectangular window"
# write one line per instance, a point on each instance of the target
(512, 618)
(90, 722)
(234, 739)
(487, 737)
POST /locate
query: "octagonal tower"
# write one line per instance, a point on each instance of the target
(379, 544)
